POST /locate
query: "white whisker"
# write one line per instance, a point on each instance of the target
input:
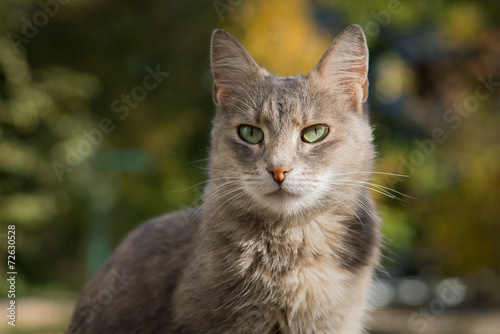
(386, 191)
(379, 173)
(200, 183)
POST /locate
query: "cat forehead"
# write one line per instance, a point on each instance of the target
(291, 98)
(279, 102)
(287, 91)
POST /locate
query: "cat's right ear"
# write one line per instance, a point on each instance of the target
(344, 66)
(232, 66)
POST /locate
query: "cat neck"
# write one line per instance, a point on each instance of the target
(276, 246)
(246, 233)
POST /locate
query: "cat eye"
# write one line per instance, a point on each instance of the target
(250, 134)
(314, 133)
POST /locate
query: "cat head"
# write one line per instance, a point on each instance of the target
(289, 145)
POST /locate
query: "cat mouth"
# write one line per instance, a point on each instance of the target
(283, 194)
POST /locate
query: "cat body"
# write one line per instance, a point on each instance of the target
(286, 240)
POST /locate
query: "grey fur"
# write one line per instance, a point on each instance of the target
(259, 256)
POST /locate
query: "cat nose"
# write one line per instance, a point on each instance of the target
(278, 172)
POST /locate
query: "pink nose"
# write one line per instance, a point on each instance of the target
(278, 172)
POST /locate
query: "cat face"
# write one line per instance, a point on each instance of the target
(290, 145)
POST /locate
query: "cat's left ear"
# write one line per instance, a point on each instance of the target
(343, 69)
(232, 65)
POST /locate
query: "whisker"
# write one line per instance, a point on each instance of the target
(202, 182)
(225, 171)
(380, 191)
(229, 204)
(379, 173)
(239, 108)
(350, 209)
(364, 207)
(196, 161)
(222, 191)
(250, 109)
(386, 191)
(226, 201)
(385, 188)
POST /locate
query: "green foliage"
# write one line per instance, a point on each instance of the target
(76, 172)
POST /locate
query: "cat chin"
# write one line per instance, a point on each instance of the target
(282, 203)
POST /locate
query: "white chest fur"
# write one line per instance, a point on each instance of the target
(298, 281)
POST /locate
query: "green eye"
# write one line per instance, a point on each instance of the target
(251, 134)
(314, 133)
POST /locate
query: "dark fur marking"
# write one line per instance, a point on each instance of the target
(242, 150)
(360, 240)
(276, 329)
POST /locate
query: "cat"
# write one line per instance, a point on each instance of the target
(287, 239)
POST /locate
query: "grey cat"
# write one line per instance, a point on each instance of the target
(286, 240)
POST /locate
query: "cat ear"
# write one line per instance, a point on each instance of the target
(232, 66)
(343, 68)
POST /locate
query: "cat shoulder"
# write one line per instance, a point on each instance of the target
(139, 278)
(160, 235)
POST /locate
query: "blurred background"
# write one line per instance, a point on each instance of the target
(105, 111)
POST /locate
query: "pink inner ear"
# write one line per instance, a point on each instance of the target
(219, 94)
(365, 90)
(216, 90)
(358, 84)
(360, 92)
(344, 66)
(361, 82)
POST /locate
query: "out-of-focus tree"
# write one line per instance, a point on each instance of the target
(40, 110)
(72, 189)
(282, 36)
